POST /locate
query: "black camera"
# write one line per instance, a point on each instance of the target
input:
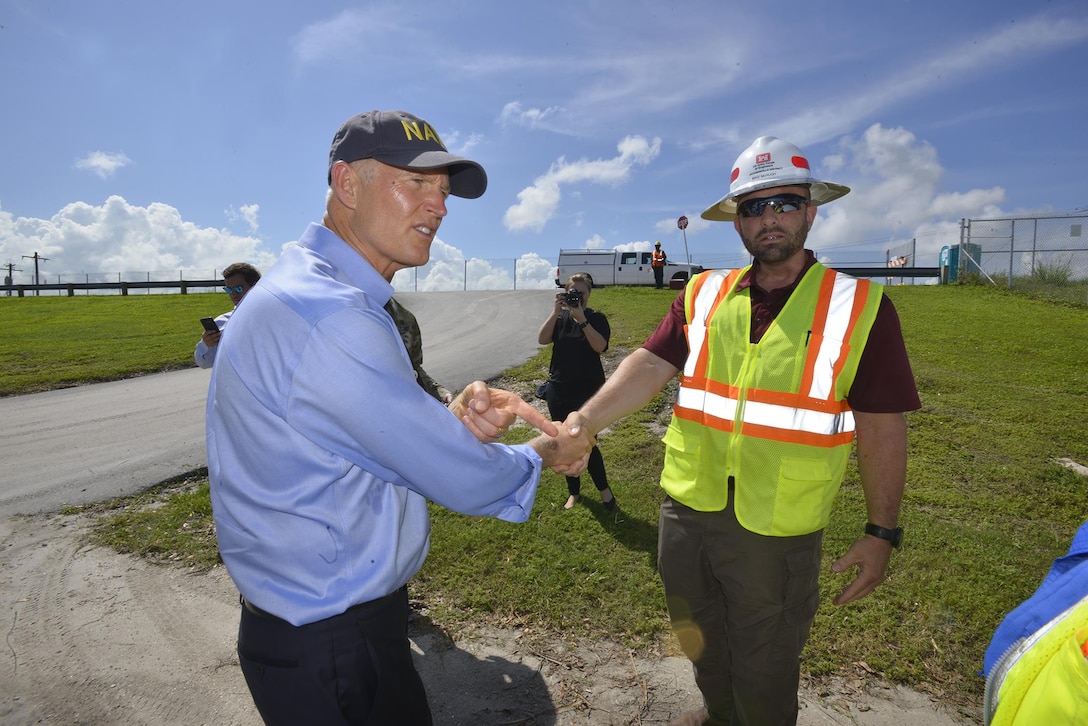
(574, 298)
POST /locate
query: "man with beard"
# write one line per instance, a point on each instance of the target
(784, 363)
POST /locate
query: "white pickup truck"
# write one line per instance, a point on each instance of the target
(612, 267)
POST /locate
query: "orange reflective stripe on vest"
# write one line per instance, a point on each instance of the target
(815, 415)
(770, 416)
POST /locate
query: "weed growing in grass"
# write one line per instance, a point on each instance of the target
(171, 523)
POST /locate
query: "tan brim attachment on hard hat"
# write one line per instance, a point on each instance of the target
(820, 192)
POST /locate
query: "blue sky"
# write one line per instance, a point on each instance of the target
(142, 136)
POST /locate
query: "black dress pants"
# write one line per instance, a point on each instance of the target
(353, 668)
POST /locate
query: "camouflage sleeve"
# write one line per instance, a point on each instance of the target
(432, 386)
(413, 342)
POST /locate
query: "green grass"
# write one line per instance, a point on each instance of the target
(1004, 386)
(55, 342)
(168, 523)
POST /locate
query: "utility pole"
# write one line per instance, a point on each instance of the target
(36, 257)
(10, 280)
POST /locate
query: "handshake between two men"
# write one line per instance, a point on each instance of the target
(488, 412)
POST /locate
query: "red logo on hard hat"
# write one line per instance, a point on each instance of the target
(734, 175)
(800, 162)
(763, 158)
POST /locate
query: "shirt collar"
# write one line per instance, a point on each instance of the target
(746, 281)
(349, 265)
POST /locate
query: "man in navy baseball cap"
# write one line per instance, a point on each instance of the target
(324, 453)
(400, 139)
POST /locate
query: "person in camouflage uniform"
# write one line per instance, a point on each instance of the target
(413, 341)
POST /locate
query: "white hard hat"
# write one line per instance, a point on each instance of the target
(770, 162)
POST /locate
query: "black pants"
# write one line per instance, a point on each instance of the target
(563, 398)
(659, 277)
(354, 668)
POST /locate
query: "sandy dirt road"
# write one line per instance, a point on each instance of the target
(93, 637)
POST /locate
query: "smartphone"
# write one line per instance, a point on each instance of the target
(209, 324)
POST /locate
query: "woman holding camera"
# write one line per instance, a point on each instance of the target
(578, 336)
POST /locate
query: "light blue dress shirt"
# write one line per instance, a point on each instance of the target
(203, 355)
(322, 448)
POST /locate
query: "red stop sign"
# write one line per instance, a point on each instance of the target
(682, 223)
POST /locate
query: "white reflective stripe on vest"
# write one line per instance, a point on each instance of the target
(832, 339)
(708, 293)
(696, 338)
(711, 284)
(770, 415)
(835, 331)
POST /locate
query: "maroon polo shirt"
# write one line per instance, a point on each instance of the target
(884, 382)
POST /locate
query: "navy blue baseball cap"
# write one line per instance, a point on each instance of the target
(400, 139)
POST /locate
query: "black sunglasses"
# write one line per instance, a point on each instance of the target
(780, 203)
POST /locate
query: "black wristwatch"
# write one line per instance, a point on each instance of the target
(583, 324)
(895, 536)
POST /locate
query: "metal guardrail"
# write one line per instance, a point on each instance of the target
(888, 271)
(122, 287)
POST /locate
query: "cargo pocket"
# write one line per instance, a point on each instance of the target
(802, 589)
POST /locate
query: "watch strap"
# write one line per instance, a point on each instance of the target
(895, 536)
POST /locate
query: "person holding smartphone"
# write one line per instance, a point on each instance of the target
(237, 280)
(578, 335)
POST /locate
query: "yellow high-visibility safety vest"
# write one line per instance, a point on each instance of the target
(1044, 679)
(772, 414)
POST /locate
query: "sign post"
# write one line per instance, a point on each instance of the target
(682, 223)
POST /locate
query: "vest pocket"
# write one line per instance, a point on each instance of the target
(684, 451)
(681, 473)
(803, 486)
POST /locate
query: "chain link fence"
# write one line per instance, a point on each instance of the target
(1043, 256)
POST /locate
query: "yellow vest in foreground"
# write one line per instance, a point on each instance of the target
(773, 414)
(1046, 681)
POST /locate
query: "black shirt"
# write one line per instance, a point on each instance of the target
(573, 359)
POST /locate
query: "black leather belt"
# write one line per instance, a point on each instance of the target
(260, 613)
(269, 616)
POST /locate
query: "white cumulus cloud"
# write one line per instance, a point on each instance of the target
(103, 164)
(514, 115)
(118, 238)
(247, 214)
(895, 194)
(538, 203)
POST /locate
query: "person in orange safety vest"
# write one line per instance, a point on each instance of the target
(657, 262)
(786, 366)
